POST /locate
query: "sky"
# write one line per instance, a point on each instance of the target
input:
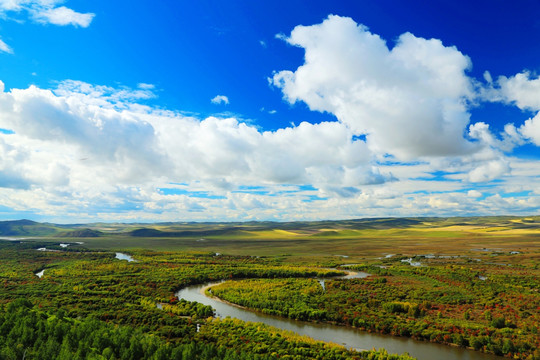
(145, 111)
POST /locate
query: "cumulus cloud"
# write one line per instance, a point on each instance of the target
(87, 142)
(531, 129)
(523, 91)
(60, 130)
(489, 171)
(98, 152)
(11, 174)
(409, 100)
(93, 152)
(220, 99)
(506, 141)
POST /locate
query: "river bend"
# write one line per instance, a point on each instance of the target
(349, 337)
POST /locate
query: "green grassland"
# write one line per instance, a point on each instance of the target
(358, 239)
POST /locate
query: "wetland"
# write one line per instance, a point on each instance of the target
(474, 294)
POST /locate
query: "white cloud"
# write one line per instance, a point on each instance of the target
(93, 152)
(523, 91)
(57, 131)
(474, 193)
(47, 11)
(520, 89)
(410, 101)
(489, 171)
(146, 86)
(106, 96)
(220, 99)
(63, 16)
(88, 142)
(11, 5)
(101, 153)
(488, 78)
(509, 138)
(5, 47)
(271, 112)
(531, 129)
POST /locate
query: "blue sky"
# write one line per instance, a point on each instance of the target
(282, 110)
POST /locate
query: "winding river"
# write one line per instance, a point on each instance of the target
(349, 337)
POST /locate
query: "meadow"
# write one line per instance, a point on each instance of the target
(358, 239)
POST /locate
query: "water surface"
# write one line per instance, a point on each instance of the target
(349, 337)
(122, 256)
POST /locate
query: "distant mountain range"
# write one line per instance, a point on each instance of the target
(33, 228)
(28, 228)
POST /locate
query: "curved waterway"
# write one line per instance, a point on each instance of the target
(349, 337)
